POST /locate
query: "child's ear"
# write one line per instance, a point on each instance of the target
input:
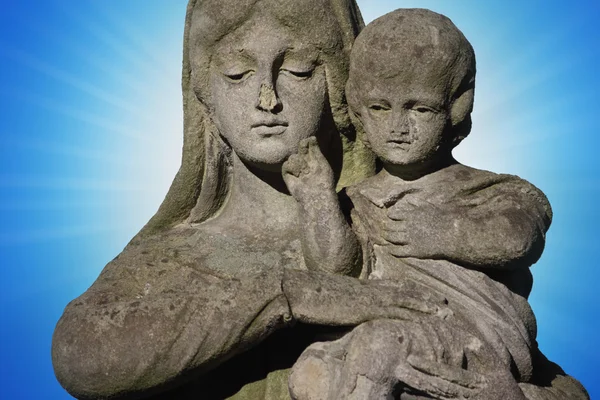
(462, 107)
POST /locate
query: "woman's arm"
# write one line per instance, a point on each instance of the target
(150, 323)
(333, 300)
(141, 329)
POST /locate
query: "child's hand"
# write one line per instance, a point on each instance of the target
(418, 228)
(307, 174)
(447, 382)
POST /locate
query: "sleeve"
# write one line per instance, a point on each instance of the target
(508, 192)
(151, 321)
(353, 205)
(502, 222)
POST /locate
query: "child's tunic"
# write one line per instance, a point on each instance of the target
(490, 303)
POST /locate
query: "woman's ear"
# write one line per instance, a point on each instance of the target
(462, 107)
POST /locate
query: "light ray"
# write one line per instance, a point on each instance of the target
(84, 153)
(107, 124)
(137, 38)
(15, 238)
(527, 128)
(542, 75)
(114, 42)
(86, 55)
(60, 183)
(528, 54)
(44, 68)
(65, 204)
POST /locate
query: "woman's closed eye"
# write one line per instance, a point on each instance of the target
(237, 77)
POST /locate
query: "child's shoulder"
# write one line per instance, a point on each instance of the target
(477, 182)
(457, 181)
(362, 186)
(383, 191)
(463, 173)
(473, 177)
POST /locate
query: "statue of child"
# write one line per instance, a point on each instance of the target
(425, 219)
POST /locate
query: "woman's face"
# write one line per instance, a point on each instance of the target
(268, 91)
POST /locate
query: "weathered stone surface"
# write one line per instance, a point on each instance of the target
(256, 280)
(467, 235)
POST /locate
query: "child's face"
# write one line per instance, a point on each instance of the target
(404, 119)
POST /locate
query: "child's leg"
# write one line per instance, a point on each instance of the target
(342, 369)
(374, 362)
(365, 363)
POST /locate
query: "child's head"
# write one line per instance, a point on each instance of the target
(411, 86)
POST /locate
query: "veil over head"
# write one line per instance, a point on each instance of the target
(201, 185)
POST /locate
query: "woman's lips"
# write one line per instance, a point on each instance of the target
(269, 128)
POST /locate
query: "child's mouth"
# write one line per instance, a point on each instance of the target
(402, 143)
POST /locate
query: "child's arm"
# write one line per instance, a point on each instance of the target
(504, 227)
(328, 243)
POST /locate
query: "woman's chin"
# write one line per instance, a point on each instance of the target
(272, 165)
(267, 158)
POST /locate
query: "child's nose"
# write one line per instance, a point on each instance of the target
(399, 122)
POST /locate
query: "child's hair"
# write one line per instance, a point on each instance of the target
(405, 41)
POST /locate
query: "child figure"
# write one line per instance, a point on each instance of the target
(425, 219)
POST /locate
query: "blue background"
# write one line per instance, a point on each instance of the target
(91, 131)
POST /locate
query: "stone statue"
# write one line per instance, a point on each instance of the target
(256, 280)
(465, 234)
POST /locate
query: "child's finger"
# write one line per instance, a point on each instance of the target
(440, 380)
(399, 211)
(397, 214)
(393, 225)
(454, 374)
(395, 237)
(293, 166)
(303, 146)
(418, 202)
(314, 151)
(401, 250)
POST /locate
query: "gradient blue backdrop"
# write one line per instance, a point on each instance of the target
(90, 137)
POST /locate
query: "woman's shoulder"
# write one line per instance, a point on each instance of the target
(208, 249)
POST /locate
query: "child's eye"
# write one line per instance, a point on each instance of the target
(378, 107)
(424, 109)
(238, 77)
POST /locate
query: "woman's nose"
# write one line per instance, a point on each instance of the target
(268, 99)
